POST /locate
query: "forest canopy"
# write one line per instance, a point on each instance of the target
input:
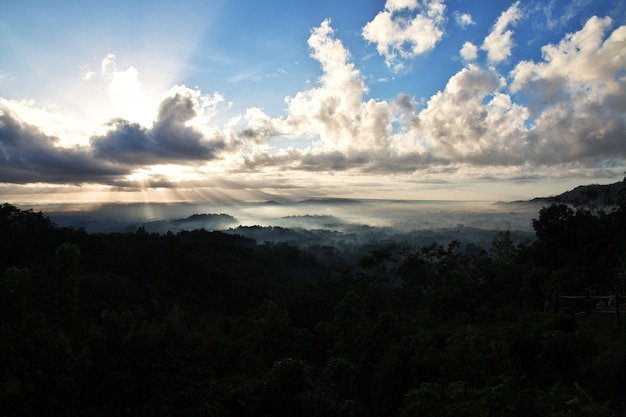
(200, 323)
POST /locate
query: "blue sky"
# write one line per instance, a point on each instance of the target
(235, 100)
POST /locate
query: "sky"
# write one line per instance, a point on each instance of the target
(245, 100)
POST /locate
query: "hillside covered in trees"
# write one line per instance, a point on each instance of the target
(200, 323)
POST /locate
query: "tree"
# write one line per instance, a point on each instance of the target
(67, 279)
(555, 224)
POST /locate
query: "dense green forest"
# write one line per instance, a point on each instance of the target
(202, 323)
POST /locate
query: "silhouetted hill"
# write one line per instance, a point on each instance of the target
(215, 221)
(603, 195)
(271, 203)
(594, 194)
(329, 201)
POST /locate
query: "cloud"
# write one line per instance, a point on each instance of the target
(469, 51)
(347, 132)
(85, 73)
(333, 161)
(405, 103)
(582, 63)
(31, 153)
(463, 19)
(564, 15)
(46, 120)
(170, 138)
(499, 42)
(406, 29)
(27, 155)
(252, 131)
(577, 116)
(124, 83)
(473, 122)
(578, 93)
(335, 111)
(123, 89)
(112, 90)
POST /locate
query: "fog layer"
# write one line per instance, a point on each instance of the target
(315, 222)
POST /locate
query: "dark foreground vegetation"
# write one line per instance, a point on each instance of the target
(208, 324)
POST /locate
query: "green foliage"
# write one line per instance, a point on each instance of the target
(67, 258)
(15, 290)
(503, 249)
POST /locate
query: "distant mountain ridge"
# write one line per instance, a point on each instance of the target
(601, 195)
(329, 201)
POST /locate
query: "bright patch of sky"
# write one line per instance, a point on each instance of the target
(241, 98)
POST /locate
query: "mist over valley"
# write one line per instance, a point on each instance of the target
(337, 222)
(333, 222)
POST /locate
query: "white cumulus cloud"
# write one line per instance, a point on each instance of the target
(125, 92)
(469, 51)
(406, 29)
(499, 42)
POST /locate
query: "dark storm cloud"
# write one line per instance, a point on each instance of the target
(125, 142)
(27, 155)
(169, 140)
